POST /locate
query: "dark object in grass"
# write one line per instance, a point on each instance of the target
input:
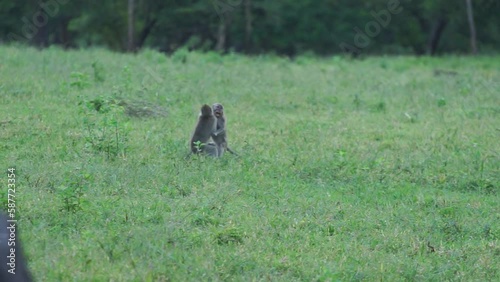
(431, 248)
(142, 109)
(13, 264)
(438, 72)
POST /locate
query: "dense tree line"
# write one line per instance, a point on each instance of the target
(256, 26)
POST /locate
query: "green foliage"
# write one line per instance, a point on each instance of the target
(71, 197)
(105, 127)
(127, 79)
(180, 56)
(79, 80)
(441, 102)
(229, 235)
(347, 169)
(255, 26)
(198, 145)
(99, 75)
(72, 193)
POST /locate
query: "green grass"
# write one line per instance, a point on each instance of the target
(349, 170)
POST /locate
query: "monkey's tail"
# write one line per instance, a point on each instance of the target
(231, 151)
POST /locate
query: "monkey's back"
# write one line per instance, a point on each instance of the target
(203, 131)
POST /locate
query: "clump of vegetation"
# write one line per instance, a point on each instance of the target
(79, 80)
(72, 193)
(180, 55)
(105, 128)
(229, 235)
(99, 75)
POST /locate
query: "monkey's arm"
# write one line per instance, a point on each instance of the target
(220, 131)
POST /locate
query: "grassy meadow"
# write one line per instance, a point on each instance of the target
(384, 168)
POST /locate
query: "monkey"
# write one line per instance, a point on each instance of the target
(219, 136)
(206, 126)
(16, 271)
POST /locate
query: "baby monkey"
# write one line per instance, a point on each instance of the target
(206, 126)
(219, 136)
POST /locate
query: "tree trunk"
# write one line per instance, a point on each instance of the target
(63, 37)
(435, 36)
(472, 27)
(420, 47)
(143, 35)
(221, 35)
(131, 31)
(41, 38)
(225, 22)
(248, 25)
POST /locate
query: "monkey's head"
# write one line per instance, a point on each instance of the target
(218, 109)
(206, 110)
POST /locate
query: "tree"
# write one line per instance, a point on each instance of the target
(248, 25)
(286, 27)
(131, 26)
(472, 27)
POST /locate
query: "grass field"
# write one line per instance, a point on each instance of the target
(384, 168)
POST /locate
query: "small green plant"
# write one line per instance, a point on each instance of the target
(72, 192)
(127, 77)
(229, 235)
(79, 80)
(356, 101)
(180, 55)
(72, 197)
(105, 128)
(380, 107)
(452, 230)
(441, 102)
(198, 145)
(98, 72)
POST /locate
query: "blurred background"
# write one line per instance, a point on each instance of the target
(285, 27)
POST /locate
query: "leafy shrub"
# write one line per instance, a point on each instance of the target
(105, 128)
